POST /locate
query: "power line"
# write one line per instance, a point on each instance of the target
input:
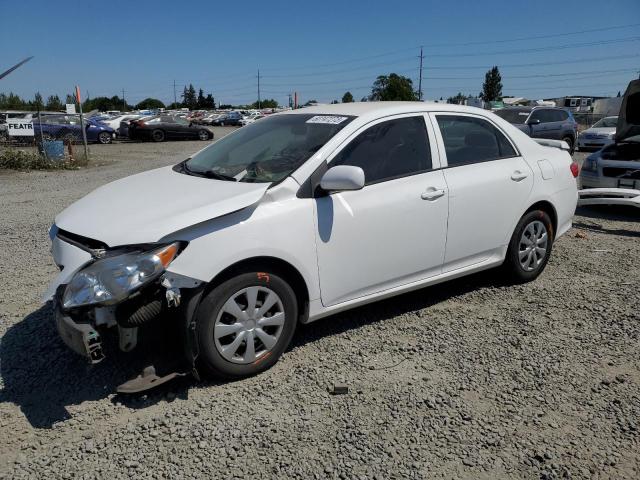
(535, 37)
(540, 49)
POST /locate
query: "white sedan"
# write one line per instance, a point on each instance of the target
(299, 216)
(600, 134)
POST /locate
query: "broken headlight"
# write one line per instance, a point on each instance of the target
(112, 279)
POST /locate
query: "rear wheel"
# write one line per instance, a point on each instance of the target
(530, 247)
(104, 138)
(157, 136)
(245, 324)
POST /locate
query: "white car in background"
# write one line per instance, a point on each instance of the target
(114, 122)
(252, 117)
(600, 134)
(299, 216)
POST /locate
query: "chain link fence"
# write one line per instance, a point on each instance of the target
(41, 138)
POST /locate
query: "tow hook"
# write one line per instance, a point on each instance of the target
(172, 294)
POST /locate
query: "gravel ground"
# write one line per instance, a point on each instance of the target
(470, 379)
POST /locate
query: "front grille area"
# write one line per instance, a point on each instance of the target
(618, 172)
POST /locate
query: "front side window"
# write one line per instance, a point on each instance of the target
(471, 140)
(269, 150)
(392, 149)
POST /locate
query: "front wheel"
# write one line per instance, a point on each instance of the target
(203, 134)
(530, 247)
(571, 144)
(245, 324)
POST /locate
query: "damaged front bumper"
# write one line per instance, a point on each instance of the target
(157, 319)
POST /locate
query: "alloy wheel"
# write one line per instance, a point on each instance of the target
(532, 247)
(203, 134)
(249, 325)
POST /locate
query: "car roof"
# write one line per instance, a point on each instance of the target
(378, 109)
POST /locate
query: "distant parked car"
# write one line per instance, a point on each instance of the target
(543, 122)
(114, 122)
(251, 118)
(617, 165)
(210, 118)
(67, 127)
(231, 118)
(166, 127)
(601, 133)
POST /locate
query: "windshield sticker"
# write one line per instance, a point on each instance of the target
(329, 119)
(524, 114)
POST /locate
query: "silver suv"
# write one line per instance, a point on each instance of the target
(543, 122)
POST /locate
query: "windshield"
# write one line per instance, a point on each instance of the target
(269, 150)
(513, 115)
(609, 122)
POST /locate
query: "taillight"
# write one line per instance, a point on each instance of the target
(575, 169)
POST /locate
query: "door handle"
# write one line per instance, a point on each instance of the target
(432, 194)
(518, 176)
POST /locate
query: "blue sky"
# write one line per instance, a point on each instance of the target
(319, 49)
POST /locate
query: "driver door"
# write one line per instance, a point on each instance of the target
(393, 231)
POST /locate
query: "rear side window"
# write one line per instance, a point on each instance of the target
(392, 149)
(472, 140)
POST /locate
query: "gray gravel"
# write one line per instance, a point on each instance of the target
(470, 379)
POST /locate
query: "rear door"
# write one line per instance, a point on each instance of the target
(550, 125)
(489, 185)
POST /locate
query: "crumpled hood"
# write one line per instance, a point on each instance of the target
(629, 116)
(145, 207)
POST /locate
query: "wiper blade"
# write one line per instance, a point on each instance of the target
(217, 175)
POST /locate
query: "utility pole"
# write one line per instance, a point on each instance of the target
(124, 104)
(290, 102)
(258, 89)
(175, 99)
(420, 81)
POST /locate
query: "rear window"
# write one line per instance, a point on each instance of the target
(513, 115)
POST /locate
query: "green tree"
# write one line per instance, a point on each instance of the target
(392, 87)
(266, 103)
(189, 98)
(71, 98)
(334, 102)
(54, 103)
(38, 103)
(492, 86)
(347, 98)
(458, 99)
(200, 100)
(209, 102)
(310, 102)
(149, 104)
(103, 104)
(12, 102)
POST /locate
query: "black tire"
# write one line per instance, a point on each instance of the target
(69, 137)
(158, 136)
(512, 264)
(570, 141)
(204, 134)
(210, 360)
(104, 138)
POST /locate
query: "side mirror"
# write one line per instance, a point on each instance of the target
(342, 177)
(533, 121)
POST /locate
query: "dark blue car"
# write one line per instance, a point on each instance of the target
(67, 127)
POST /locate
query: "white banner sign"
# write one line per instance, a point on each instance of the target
(19, 127)
(71, 108)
